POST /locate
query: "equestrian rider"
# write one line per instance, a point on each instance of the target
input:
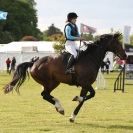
(72, 35)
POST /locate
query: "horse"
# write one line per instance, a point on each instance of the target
(50, 71)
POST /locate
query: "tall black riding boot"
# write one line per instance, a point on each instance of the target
(70, 63)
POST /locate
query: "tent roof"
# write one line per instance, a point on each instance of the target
(42, 46)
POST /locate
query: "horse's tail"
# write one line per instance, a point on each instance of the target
(19, 77)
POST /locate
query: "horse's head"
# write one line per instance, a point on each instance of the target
(114, 45)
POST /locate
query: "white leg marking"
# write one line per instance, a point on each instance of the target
(72, 117)
(80, 99)
(58, 105)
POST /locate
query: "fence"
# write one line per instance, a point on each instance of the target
(120, 81)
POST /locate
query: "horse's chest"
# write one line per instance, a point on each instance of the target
(88, 72)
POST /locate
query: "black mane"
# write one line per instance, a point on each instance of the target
(101, 41)
(106, 37)
(99, 44)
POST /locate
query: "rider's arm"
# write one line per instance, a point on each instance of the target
(68, 34)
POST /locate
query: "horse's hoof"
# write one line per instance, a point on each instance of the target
(71, 120)
(60, 111)
(7, 89)
(75, 98)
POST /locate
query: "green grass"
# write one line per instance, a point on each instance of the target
(107, 112)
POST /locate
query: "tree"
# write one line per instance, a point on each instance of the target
(88, 37)
(21, 19)
(52, 30)
(60, 43)
(54, 34)
(31, 3)
(6, 37)
(131, 39)
(56, 37)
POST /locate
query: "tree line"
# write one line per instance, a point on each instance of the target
(22, 21)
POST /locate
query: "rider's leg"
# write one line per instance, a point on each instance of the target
(70, 63)
(72, 50)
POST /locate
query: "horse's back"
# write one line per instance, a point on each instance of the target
(48, 64)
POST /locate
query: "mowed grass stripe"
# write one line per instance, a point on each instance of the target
(107, 112)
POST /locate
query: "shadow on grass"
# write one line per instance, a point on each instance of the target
(107, 126)
(121, 127)
(45, 130)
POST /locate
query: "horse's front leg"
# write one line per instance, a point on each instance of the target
(83, 97)
(91, 95)
(81, 100)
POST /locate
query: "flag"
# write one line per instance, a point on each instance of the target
(3, 15)
(87, 29)
(126, 38)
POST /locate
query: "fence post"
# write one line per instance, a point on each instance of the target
(120, 80)
(123, 79)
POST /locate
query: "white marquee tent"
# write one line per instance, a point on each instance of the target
(24, 51)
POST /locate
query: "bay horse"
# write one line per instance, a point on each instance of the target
(50, 71)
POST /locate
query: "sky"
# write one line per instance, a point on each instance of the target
(100, 14)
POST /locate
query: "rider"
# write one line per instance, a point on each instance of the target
(72, 35)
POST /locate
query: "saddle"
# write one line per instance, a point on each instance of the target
(65, 57)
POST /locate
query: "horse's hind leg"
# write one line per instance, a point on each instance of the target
(46, 95)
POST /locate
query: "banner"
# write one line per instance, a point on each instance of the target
(87, 29)
(3, 15)
(126, 37)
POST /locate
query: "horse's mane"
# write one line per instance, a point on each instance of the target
(106, 37)
(101, 40)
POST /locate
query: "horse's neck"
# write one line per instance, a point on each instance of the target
(98, 56)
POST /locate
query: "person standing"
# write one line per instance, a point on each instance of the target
(71, 35)
(13, 64)
(8, 63)
(107, 65)
(103, 66)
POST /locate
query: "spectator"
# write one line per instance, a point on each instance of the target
(8, 62)
(102, 66)
(107, 65)
(13, 64)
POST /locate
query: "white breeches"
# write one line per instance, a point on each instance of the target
(72, 47)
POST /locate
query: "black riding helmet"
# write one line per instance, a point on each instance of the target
(71, 16)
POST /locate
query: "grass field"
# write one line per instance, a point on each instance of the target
(107, 112)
